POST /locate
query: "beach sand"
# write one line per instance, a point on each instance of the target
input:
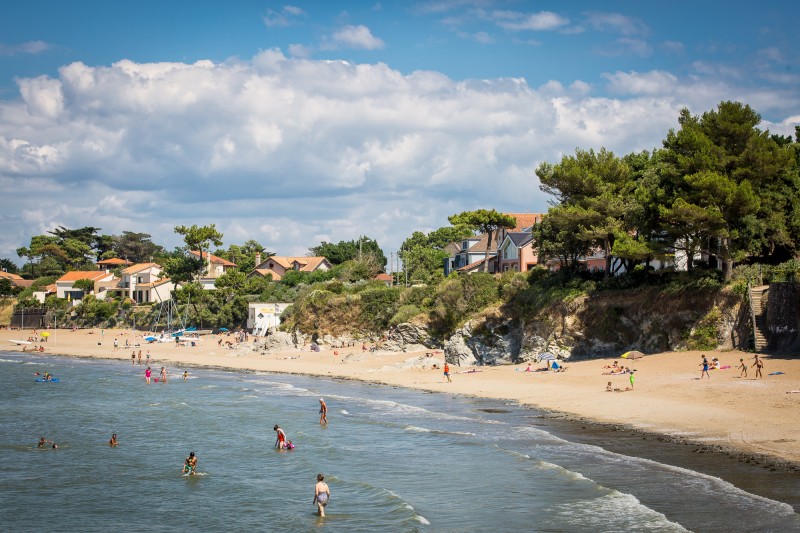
(751, 416)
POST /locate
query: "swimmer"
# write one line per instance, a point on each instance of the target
(190, 465)
(113, 442)
(185, 375)
(323, 412)
(321, 494)
(281, 440)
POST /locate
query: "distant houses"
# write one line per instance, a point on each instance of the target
(214, 268)
(511, 250)
(278, 266)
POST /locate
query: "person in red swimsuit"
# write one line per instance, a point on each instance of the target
(281, 440)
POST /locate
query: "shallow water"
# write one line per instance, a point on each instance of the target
(395, 460)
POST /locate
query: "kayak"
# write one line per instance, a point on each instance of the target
(52, 380)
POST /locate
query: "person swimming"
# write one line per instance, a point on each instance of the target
(113, 442)
(190, 465)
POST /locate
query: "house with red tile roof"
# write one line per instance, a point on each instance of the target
(114, 262)
(65, 285)
(470, 254)
(214, 268)
(385, 278)
(278, 266)
(136, 282)
(15, 279)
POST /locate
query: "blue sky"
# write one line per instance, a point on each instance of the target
(293, 123)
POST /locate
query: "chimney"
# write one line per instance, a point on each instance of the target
(258, 258)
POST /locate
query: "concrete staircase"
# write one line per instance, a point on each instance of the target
(758, 310)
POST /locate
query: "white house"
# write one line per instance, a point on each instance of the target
(65, 285)
(262, 317)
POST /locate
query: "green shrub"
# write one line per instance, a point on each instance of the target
(379, 305)
(404, 314)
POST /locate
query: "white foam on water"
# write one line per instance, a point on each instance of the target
(417, 429)
(13, 361)
(422, 520)
(344, 411)
(705, 483)
(615, 511)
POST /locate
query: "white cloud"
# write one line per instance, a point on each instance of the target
(28, 47)
(655, 82)
(359, 37)
(517, 21)
(286, 150)
(617, 22)
(285, 17)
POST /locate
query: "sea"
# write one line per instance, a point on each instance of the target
(395, 460)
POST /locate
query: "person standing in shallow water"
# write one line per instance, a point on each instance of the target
(280, 441)
(321, 494)
(147, 374)
(163, 374)
(323, 412)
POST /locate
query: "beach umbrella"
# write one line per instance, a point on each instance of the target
(633, 355)
(546, 356)
(223, 329)
(150, 338)
(46, 334)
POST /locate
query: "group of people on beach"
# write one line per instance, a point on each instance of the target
(758, 363)
(148, 374)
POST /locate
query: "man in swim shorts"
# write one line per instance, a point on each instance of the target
(323, 412)
(190, 465)
(447, 372)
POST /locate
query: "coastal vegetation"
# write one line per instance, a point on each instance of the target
(720, 188)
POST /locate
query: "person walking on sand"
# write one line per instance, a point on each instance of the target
(116, 344)
(281, 439)
(631, 377)
(743, 368)
(447, 372)
(759, 365)
(147, 374)
(704, 364)
(322, 494)
(323, 412)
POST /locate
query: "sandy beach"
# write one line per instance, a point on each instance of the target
(750, 415)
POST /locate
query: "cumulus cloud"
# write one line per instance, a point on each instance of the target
(359, 37)
(286, 150)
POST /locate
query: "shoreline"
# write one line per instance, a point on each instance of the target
(754, 421)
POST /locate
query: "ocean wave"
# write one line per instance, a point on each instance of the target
(417, 429)
(615, 511)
